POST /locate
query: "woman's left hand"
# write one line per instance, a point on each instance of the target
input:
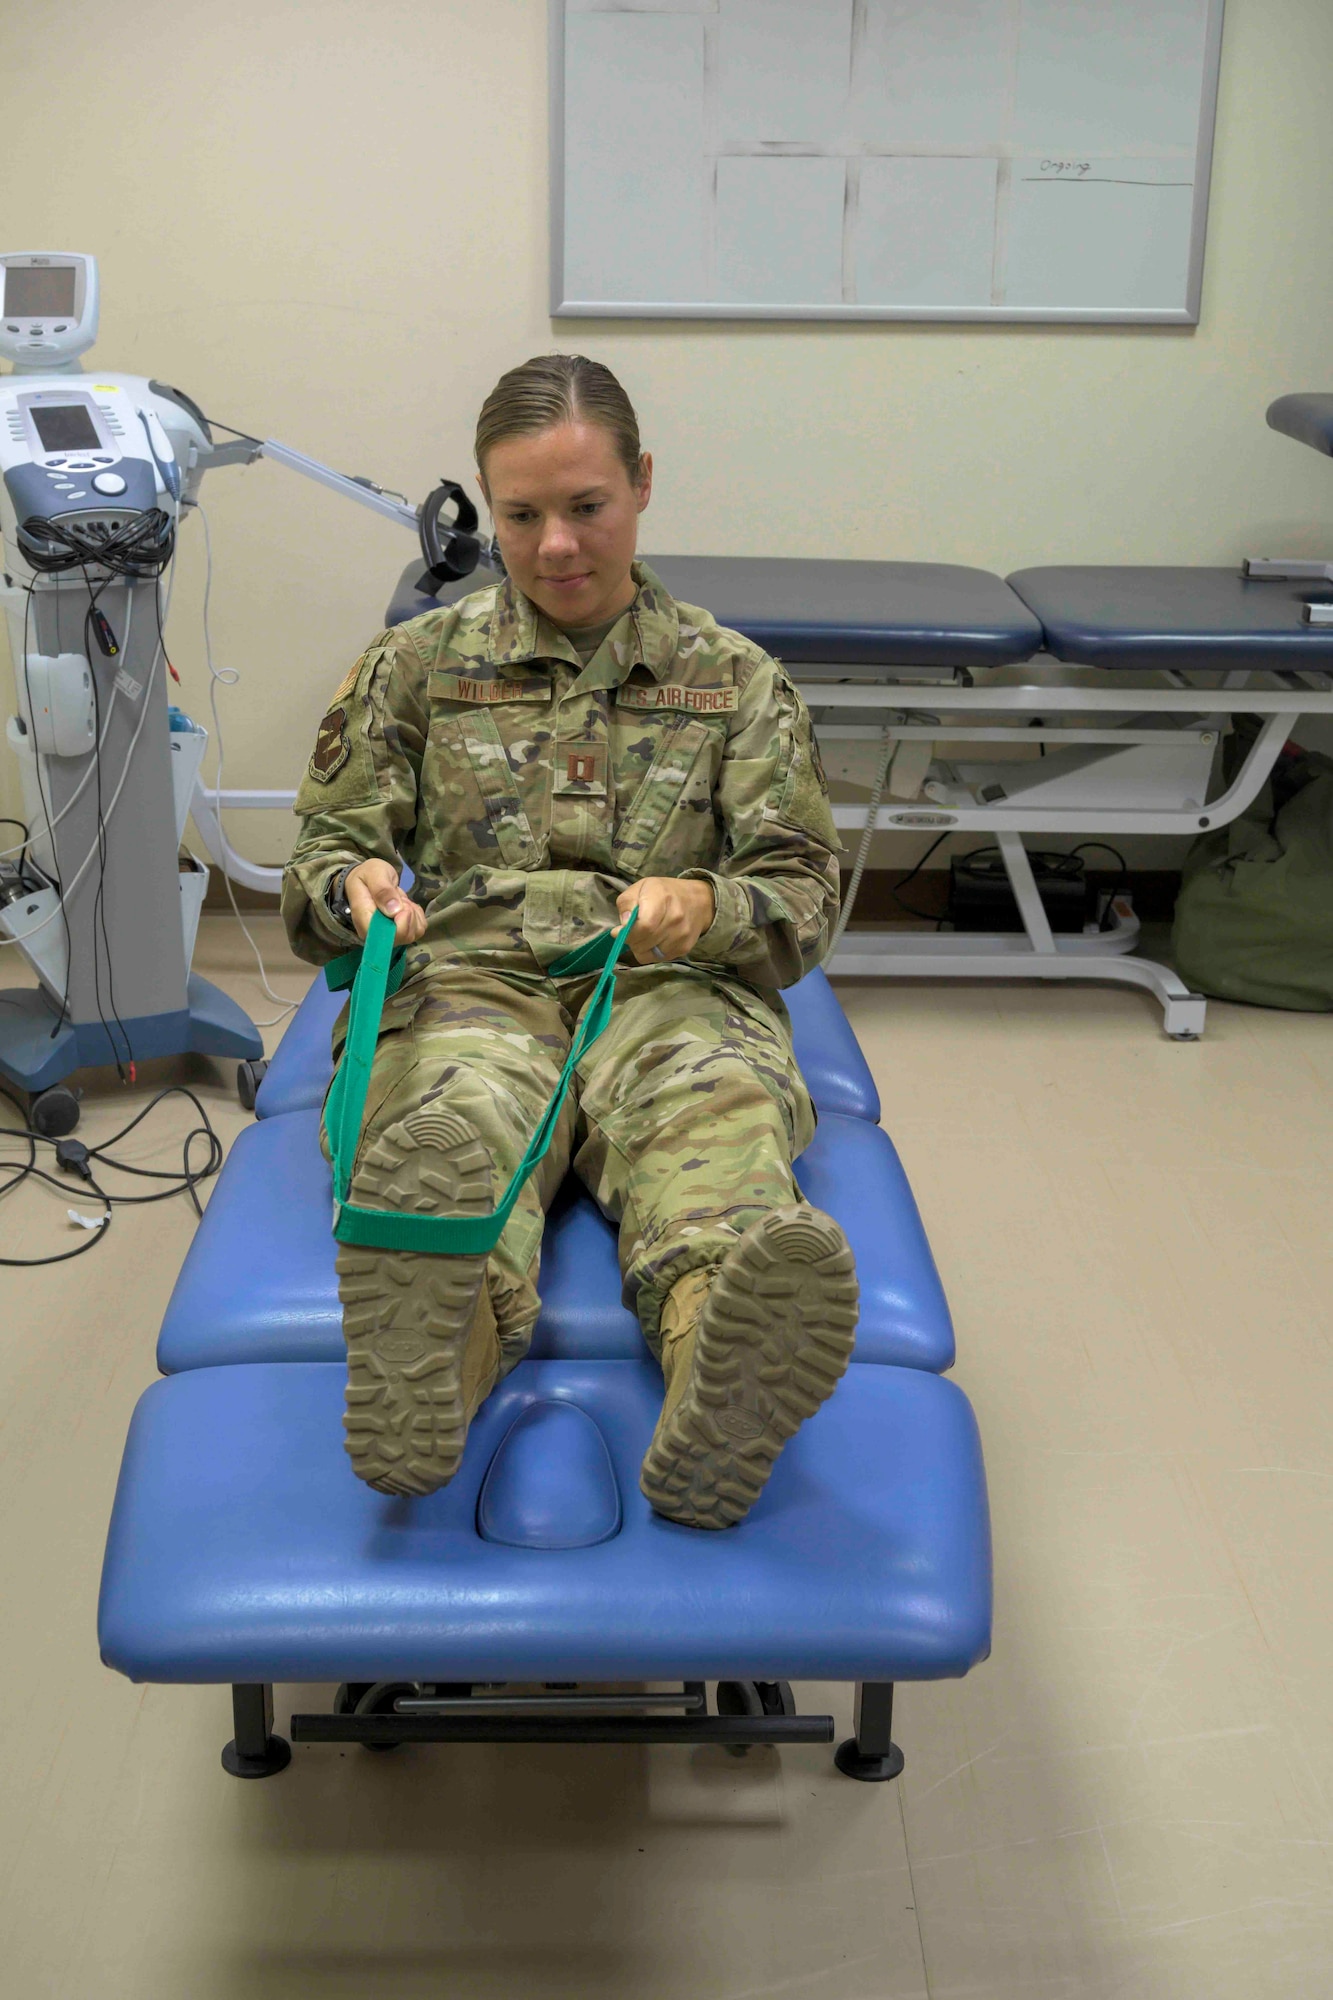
(673, 916)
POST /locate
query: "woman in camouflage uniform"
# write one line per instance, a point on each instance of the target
(548, 755)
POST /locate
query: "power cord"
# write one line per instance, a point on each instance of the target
(88, 859)
(73, 1157)
(93, 617)
(889, 741)
(867, 835)
(140, 547)
(1104, 847)
(99, 900)
(163, 612)
(229, 677)
(22, 849)
(79, 789)
(926, 916)
(50, 828)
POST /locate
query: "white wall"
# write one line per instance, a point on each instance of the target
(328, 224)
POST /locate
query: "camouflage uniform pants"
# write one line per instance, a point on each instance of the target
(682, 1122)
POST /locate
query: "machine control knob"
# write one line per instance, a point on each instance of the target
(108, 483)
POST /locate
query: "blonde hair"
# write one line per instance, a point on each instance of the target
(555, 389)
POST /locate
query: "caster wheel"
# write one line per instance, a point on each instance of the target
(739, 1698)
(349, 1694)
(249, 1076)
(379, 1699)
(55, 1112)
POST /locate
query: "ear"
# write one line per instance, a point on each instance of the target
(643, 485)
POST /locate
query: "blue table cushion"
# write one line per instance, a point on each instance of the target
(258, 1281)
(836, 1073)
(815, 611)
(1184, 619)
(242, 1548)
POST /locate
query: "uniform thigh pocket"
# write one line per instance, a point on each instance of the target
(685, 1057)
(769, 1034)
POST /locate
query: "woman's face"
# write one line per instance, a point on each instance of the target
(566, 517)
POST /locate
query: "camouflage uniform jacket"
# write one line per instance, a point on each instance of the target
(526, 790)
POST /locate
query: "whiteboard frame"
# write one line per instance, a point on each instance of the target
(566, 308)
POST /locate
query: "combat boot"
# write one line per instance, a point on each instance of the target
(749, 1351)
(422, 1348)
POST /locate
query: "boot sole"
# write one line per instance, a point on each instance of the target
(774, 1339)
(406, 1315)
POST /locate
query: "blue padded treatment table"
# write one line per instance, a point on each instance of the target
(836, 1073)
(258, 1282)
(1190, 620)
(241, 1548)
(814, 612)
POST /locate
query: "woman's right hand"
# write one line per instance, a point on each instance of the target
(373, 885)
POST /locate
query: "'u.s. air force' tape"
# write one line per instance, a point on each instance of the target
(374, 972)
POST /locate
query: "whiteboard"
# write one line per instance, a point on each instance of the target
(882, 159)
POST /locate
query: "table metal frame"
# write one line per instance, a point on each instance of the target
(1124, 753)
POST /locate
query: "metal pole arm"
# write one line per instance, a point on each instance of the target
(361, 491)
(244, 451)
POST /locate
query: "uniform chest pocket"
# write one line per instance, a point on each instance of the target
(505, 825)
(680, 776)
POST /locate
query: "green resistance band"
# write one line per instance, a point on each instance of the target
(374, 971)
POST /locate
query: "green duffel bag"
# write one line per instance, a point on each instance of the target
(1254, 919)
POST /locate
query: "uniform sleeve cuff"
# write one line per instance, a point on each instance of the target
(319, 916)
(733, 920)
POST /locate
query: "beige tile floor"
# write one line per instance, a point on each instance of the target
(1130, 1801)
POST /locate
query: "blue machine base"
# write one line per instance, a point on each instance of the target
(33, 1058)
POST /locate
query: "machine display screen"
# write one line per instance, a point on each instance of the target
(65, 427)
(40, 291)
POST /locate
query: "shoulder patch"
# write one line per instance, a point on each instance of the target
(378, 650)
(332, 746)
(680, 695)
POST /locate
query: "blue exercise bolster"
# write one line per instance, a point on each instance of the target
(243, 1549)
(258, 1281)
(836, 1072)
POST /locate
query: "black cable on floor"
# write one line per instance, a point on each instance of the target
(75, 1159)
